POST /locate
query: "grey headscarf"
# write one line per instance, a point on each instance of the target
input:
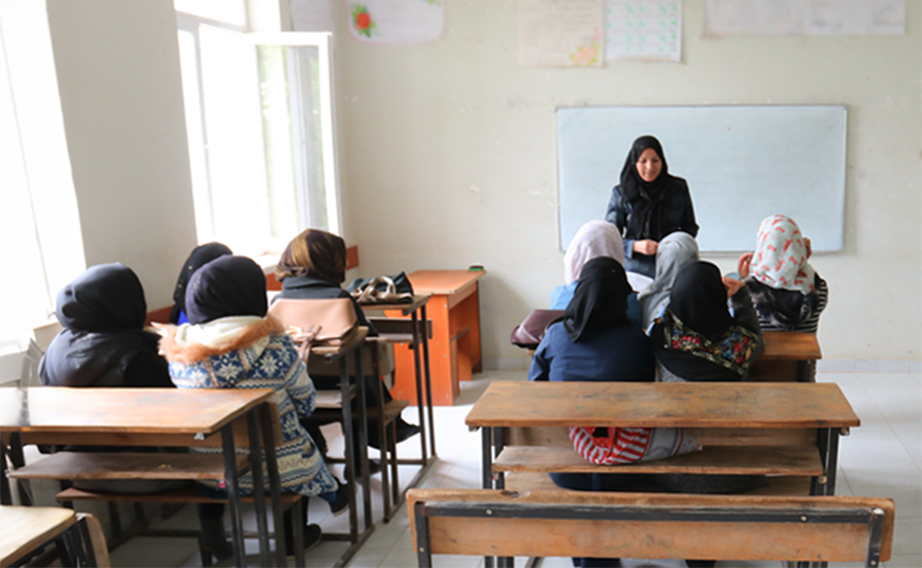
(675, 250)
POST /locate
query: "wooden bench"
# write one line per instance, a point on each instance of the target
(640, 525)
(77, 536)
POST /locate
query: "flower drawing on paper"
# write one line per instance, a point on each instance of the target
(361, 20)
(586, 55)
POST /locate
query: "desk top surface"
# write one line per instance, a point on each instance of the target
(685, 405)
(419, 299)
(351, 341)
(445, 282)
(26, 528)
(125, 410)
(791, 345)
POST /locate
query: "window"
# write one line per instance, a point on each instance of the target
(260, 128)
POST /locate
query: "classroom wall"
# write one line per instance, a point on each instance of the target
(447, 157)
(119, 80)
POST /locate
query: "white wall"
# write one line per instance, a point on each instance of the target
(447, 156)
(121, 96)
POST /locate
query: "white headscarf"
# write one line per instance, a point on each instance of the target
(674, 251)
(780, 259)
(594, 239)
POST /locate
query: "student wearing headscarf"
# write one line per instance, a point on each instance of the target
(787, 292)
(592, 240)
(103, 343)
(230, 342)
(313, 267)
(200, 256)
(648, 204)
(697, 339)
(596, 342)
(674, 251)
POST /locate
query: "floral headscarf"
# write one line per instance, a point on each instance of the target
(780, 259)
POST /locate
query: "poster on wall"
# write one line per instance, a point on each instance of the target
(643, 30)
(724, 18)
(396, 21)
(560, 34)
(312, 15)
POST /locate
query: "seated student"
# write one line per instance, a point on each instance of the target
(230, 342)
(788, 293)
(313, 266)
(200, 256)
(697, 339)
(674, 251)
(596, 342)
(592, 240)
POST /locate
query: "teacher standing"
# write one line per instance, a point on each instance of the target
(648, 204)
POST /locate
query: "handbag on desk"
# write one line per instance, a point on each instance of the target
(530, 332)
(382, 290)
(335, 318)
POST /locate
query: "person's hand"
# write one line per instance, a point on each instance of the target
(732, 285)
(807, 245)
(646, 247)
(742, 267)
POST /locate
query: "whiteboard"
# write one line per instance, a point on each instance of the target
(742, 164)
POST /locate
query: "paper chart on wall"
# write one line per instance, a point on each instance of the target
(560, 33)
(724, 18)
(396, 21)
(643, 29)
(312, 15)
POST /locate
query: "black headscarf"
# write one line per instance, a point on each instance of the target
(699, 299)
(697, 339)
(227, 286)
(646, 198)
(200, 256)
(600, 299)
(103, 344)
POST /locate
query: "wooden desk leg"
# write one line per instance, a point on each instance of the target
(259, 490)
(466, 317)
(233, 492)
(383, 438)
(424, 334)
(486, 442)
(275, 488)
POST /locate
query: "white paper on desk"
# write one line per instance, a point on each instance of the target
(724, 18)
(312, 15)
(396, 21)
(560, 33)
(643, 30)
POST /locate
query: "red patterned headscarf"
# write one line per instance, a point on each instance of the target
(780, 259)
(314, 253)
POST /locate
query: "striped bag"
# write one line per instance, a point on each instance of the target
(613, 446)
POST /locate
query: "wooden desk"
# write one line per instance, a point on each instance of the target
(455, 346)
(78, 539)
(126, 412)
(753, 406)
(788, 356)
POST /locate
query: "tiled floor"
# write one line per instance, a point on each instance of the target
(881, 458)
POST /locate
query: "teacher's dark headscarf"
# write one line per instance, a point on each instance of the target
(314, 253)
(697, 339)
(103, 343)
(227, 286)
(600, 299)
(199, 257)
(646, 198)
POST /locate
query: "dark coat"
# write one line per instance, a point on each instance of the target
(614, 354)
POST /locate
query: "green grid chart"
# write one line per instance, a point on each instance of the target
(643, 29)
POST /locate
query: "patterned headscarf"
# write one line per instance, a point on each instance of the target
(314, 253)
(780, 259)
(592, 240)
